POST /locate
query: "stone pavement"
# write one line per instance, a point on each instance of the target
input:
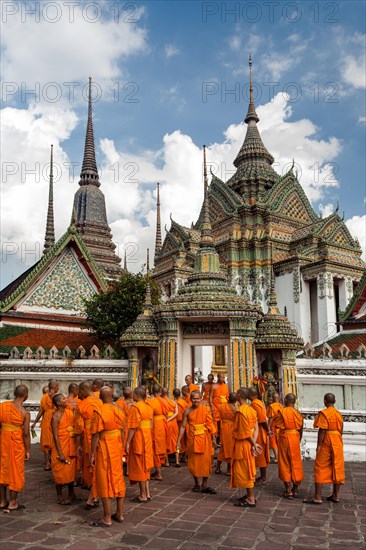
(176, 518)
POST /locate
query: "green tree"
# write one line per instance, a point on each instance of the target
(111, 313)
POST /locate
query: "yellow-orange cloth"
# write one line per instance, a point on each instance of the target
(199, 441)
(206, 390)
(159, 431)
(12, 451)
(82, 425)
(243, 468)
(227, 416)
(288, 421)
(140, 457)
(172, 435)
(329, 462)
(262, 460)
(65, 473)
(48, 409)
(220, 395)
(97, 393)
(182, 406)
(193, 387)
(108, 480)
(272, 410)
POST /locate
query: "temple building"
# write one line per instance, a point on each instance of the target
(42, 312)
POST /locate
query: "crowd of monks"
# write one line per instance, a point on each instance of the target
(90, 439)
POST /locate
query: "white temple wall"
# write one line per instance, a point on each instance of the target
(283, 284)
(326, 306)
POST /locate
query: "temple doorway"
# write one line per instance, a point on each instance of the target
(208, 359)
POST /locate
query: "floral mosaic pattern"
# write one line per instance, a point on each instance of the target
(65, 287)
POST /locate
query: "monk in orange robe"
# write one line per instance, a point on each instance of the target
(72, 403)
(182, 406)
(172, 424)
(189, 382)
(206, 388)
(159, 431)
(289, 424)
(125, 400)
(139, 444)
(14, 447)
(63, 455)
(245, 449)
(200, 436)
(272, 410)
(97, 385)
(261, 460)
(219, 394)
(106, 456)
(46, 411)
(227, 415)
(186, 395)
(82, 424)
(329, 460)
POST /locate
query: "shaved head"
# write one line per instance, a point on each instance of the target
(233, 397)
(210, 377)
(106, 394)
(290, 399)
(21, 391)
(52, 384)
(243, 393)
(73, 388)
(329, 398)
(253, 392)
(185, 390)
(127, 392)
(85, 386)
(56, 399)
(164, 392)
(155, 389)
(139, 392)
(176, 393)
(98, 383)
(195, 393)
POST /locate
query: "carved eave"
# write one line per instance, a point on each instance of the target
(8, 300)
(357, 302)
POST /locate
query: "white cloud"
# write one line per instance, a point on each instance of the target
(354, 70)
(357, 227)
(171, 50)
(361, 120)
(235, 43)
(77, 46)
(326, 209)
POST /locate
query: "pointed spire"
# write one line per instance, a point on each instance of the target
(89, 172)
(125, 261)
(147, 302)
(49, 239)
(206, 230)
(251, 114)
(272, 302)
(158, 242)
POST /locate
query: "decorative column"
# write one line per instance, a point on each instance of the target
(289, 383)
(132, 367)
(242, 353)
(326, 305)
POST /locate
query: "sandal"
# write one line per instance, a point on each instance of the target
(196, 489)
(331, 499)
(209, 491)
(99, 523)
(116, 518)
(289, 496)
(244, 504)
(64, 502)
(312, 501)
(91, 506)
(19, 507)
(138, 500)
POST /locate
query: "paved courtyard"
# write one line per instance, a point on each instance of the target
(176, 518)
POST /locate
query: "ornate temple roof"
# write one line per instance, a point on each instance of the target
(89, 205)
(21, 287)
(355, 313)
(274, 330)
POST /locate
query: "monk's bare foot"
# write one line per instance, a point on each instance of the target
(3, 505)
(312, 501)
(64, 501)
(260, 481)
(118, 519)
(332, 498)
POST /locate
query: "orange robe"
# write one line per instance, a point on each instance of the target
(193, 387)
(82, 424)
(159, 431)
(97, 393)
(227, 416)
(125, 406)
(182, 406)
(272, 410)
(243, 467)
(199, 441)
(262, 460)
(172, 436)
(46, 440)
(288, 422)
(12, 450)
(65, 473)
(140, 457)
(206, 390)
(220, 395)
(72, 405)
(329, 462)
(108, 480)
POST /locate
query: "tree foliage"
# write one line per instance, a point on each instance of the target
(111, 313)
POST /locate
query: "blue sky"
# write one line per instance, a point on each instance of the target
(181, 72)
